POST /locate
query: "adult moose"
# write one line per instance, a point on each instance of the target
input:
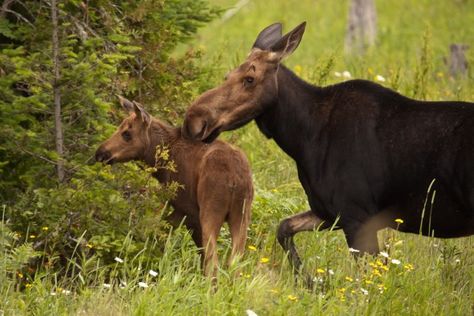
(216, 178)
(365, 154)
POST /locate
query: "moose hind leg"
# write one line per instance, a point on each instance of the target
(239, 218)
(306, 221)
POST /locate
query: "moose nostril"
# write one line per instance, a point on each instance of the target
(102, 155)
(202, 131)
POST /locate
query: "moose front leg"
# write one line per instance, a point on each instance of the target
(306, 221)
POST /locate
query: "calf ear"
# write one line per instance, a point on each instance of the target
(141, 113)
(268, 36)
(288, 43)
(126, 104)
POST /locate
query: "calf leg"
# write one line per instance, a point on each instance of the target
(211, 222)
(177, 217)
(305, 221)
(239, 218)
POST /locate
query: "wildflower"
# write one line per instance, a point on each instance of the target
(53, 293)
(457, 261)
(408, 267)
(369, 282)
(28, 285)
(66, 292)
(337, 74)
(292, 298)
(250, 312)
(90, 246)
(380, 78)
(298, 69)
(319, 270)
(376, 272)
(348, 278)
(153, 273)
(331, 272)
(264, 260)
(32, 236)
(384, 267)
(384, 254)
(118, 260)
(354, 250)
(107, 285)
(20, 275)
(381, 287)
(364, 291)
(253, 248)
(143, 285)
(45, 228)
(399, 221)
(346, 74)
(396, 261)
(342, 290)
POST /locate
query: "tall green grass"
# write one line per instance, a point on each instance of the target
(422, 276)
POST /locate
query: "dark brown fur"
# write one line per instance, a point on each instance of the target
(216, 178)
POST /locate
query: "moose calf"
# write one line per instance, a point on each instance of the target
(216, 178)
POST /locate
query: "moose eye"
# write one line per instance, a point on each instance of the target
(127, 136)
(248, 81)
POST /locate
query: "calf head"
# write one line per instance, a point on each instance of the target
(247, 90)
(131, 140)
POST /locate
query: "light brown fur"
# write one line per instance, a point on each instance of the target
(216, 179)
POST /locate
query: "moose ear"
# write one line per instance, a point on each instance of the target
(288, 43)
(126, 104)
(141, 113)
(268, 36)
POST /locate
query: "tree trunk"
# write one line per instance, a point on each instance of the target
(457, 60)
(361, 26)
(57, 94)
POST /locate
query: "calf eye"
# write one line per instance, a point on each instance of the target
(127, 136)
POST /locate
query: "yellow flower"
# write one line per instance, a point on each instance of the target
(369, 282)
(292, 298)
(319, 270)
(348, 278)
(408, 266)
(253, 248)
(20, 275)
(342, 290)
(32, 236)
(264, 260)
(298, 69)
(399, 221)
(45, 228)
(89, 245)
(376, 272)
(384, 268)
(28, 285)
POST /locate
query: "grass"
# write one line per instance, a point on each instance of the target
(434, 276)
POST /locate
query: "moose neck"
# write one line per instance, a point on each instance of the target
(291, 115)
(160, 134)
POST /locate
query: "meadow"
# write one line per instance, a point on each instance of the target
(414, 275)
